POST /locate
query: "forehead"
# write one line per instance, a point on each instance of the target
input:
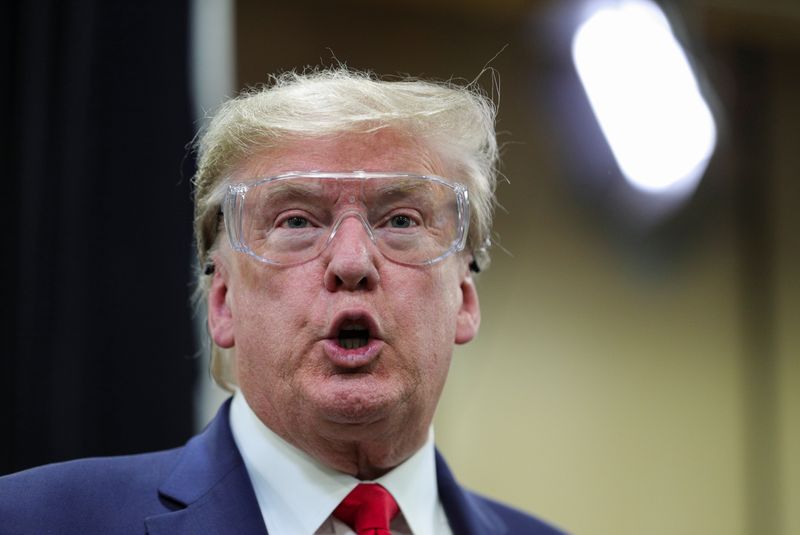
(384, 150)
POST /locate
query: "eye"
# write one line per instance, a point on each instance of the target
(298, 218)
(401, 221)
(296, 221)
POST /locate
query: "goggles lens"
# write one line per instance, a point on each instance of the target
(291, 218)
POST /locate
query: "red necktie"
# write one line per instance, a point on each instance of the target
(368, 509)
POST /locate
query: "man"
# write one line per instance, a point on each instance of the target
(338, 219)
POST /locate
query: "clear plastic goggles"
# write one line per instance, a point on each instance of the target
(291, 218)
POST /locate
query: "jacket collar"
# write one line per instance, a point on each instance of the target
(210, 492)
(209, 488)
(466, 513)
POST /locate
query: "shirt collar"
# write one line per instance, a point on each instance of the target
(297, 493)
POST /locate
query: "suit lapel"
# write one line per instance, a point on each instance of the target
(209, 492)
(465, 514)
(209, 488)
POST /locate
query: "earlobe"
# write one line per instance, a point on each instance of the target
(220, 316)
(469, 315)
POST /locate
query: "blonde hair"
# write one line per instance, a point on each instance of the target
(455, 122)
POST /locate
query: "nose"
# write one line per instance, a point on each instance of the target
(351, 257)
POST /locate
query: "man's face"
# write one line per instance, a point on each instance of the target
(284, 323)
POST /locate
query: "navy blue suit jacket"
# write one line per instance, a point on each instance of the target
(199, 489)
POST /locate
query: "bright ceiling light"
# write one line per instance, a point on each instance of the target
(645, 96)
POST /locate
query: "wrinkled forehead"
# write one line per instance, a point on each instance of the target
(349, 188)
(384, 150)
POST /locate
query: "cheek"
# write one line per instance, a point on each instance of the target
(425, 309)
(270, 308)
(280, 294)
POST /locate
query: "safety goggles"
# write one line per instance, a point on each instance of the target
(291, 218)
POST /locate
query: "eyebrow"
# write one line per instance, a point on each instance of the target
(286, 190)
(425, 192)
(401, 187)
(330, 189)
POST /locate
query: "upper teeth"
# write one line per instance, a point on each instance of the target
(353, 335)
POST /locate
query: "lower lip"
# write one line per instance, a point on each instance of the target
(352, 358)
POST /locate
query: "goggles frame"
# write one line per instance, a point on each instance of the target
(236, 193)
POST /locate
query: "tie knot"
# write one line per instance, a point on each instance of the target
(368, 509)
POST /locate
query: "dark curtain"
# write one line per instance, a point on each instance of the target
(98, 356)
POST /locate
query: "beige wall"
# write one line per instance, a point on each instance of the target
(604, 393)
(599, 394)
(785, 189)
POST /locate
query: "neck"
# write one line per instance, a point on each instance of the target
(359, 456)
(363, 450)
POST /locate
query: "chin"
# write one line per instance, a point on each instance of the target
(360, 402)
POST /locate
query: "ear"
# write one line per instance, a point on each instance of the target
(469, 315)
(220, 316)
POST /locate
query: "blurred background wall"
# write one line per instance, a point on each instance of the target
(638, 368)
(631, 375)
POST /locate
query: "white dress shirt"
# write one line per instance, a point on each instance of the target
(297, 494)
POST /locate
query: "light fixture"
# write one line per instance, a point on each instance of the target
(645, 96)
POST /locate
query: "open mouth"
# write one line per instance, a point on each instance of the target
(353, 342)
(353, 335)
